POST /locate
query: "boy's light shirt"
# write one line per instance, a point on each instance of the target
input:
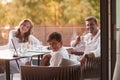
(57, 56)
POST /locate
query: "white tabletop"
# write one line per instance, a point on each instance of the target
(8, 53)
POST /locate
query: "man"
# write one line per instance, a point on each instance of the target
(58, 51)
(91, 40)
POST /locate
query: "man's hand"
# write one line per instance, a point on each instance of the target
(83, 60)
(77, 40)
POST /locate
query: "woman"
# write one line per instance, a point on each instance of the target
(20, 37)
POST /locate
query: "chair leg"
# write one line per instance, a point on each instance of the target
(11, 76)
(2, 76)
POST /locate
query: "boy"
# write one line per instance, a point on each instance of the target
(58, 51)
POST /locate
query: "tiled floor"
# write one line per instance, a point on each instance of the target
(16, 76)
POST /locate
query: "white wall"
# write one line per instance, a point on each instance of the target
(116, 75)
(118, 24)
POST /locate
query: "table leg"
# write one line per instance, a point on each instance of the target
(17, 64)
(7, 68)
(38, 60)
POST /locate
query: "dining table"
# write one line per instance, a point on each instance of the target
(7, 55)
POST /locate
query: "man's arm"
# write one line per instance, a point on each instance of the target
(75, 42)
(90, 55)
(45, 60)
(86, 56)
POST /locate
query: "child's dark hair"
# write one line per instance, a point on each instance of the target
(55, 35)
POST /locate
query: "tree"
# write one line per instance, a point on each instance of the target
(47, 12)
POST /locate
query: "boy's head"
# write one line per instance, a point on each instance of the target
(55, 41)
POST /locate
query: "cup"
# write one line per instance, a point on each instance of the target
(23, 48)
(82, 38)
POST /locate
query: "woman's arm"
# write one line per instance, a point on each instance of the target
(34, 40)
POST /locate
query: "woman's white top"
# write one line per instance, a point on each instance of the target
(18, 44)
(57, 56)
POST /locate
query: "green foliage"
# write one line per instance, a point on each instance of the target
(47, 12)
(95, 4)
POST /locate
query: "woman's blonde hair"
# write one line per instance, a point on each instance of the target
(26, 35)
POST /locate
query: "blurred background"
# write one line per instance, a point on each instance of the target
(64, 16)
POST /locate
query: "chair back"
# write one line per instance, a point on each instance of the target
(50, 73)
(2, 66)
(92, 68)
